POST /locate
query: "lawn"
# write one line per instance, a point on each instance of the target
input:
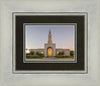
(40, 57)
(64, 56)
(35, 57)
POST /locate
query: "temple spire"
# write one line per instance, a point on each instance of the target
(49, 36)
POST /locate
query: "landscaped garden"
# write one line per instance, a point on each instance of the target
(41, 55)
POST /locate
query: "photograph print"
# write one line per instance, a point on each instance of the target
(49, 42)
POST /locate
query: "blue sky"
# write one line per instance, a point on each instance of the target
(37, 35)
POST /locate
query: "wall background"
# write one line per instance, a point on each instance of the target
(7, 78)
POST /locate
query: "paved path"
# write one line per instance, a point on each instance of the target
(54, 59)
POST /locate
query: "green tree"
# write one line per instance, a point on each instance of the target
(37, 53)
(31, 52)
(27, 54)
(62, 53)
(72, 53)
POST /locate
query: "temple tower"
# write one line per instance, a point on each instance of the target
(49, 48)
(49, 36)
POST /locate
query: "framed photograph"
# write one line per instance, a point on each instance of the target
(45, 42)
(49, 43)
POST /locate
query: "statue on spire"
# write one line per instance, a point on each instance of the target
(49, 36)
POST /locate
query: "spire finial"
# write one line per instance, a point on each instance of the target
(49, 29)
(49, 36)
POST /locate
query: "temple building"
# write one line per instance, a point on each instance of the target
(50, 49)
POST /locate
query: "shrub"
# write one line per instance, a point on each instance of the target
(31, 52)
(37, 53)
(42, 53)
(27, 53)
(62, 53)
(72, 53)
(58, 53)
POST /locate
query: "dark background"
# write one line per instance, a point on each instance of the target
(79, 19)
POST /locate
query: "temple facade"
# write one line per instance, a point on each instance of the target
(50, 49)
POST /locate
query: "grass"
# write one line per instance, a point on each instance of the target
(35, 57)
(64, 56)
(40, 57)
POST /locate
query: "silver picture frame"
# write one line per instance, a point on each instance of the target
(48, 72)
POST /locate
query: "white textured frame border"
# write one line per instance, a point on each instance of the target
(90, 79)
